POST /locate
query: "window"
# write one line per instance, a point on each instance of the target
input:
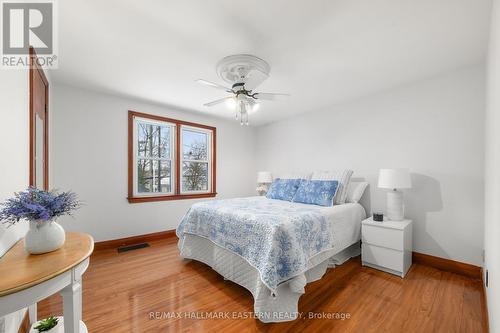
(153, 156)
(169, 159)
(195, 162)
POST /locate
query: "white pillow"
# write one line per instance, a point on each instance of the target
(342, 176)
(355, 191)
(295, 175)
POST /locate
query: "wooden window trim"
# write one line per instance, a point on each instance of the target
(177, 193)
(33, 68)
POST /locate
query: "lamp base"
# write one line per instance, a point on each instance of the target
(262, 189)
(395, 208)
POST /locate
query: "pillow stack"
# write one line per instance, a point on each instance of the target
(325, 188)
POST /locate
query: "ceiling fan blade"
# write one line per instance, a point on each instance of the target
(269, 96)
(213, 84)
(254, 79)
(218, 101)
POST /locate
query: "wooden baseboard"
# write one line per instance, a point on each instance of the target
(25, 324)
(486, 319)
(115, 243)
(447, 265)
(419, 258)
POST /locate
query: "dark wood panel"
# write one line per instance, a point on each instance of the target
(121, 290)
(447, 265)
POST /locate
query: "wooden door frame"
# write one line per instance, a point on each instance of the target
(34, 66)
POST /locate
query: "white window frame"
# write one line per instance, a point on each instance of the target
(136, 157)
(209, 159)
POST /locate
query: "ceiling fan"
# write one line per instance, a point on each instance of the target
(244, 72)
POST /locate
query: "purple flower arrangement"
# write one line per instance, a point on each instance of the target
(36, 204)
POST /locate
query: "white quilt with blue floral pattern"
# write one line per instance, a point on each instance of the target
(276, 237)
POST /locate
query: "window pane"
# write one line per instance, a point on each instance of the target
(143, 139)
(164, 137)
(194, 176)
(154, 176)
(165, 176)
(194, 145)
(153, 140)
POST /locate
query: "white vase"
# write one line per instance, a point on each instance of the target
(44, 236)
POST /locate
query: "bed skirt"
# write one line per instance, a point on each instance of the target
(283, 304)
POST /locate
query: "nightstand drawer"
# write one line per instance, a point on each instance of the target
(386, 237)
(383, 257)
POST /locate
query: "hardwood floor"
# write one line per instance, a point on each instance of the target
(122, 292)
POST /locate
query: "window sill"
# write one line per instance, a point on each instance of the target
(170, 197)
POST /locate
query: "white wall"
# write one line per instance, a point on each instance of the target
(434, 127)
(89, 156)
(14, 163)
(492, 176)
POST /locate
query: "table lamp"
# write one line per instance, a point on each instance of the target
(394, 179)
(264, 178)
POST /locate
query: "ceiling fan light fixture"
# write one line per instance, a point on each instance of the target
(231, 103)
(244, 72)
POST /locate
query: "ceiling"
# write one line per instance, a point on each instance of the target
(322, 52)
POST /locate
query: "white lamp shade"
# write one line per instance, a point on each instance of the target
(394, 178)
(264, 177)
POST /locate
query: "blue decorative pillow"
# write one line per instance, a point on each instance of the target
(316, 192)
(283, 189)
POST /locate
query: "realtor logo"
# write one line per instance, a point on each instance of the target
(26, 24)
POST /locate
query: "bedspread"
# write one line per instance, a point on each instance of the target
(276, 237)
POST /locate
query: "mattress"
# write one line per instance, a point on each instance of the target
(280, 304)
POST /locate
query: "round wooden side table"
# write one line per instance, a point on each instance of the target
(27, 279)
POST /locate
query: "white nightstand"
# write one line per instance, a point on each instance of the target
(387, 245)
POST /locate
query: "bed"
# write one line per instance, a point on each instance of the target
(271, 247)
